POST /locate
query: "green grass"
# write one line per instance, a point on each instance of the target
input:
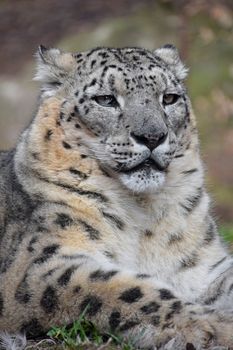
(82, 334)
(227, 233)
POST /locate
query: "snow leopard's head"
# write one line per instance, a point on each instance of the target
(127, 108)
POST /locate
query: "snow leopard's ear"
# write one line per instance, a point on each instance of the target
(53, 68)
(169, 54)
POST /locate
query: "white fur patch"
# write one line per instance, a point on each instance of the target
(148, 184)
(12, 342)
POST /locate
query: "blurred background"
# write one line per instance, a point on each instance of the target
(201, 29)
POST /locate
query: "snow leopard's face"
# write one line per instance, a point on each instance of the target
(127, 108)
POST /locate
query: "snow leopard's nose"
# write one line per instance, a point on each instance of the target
(151, 141)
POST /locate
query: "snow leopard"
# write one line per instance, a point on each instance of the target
(104, 208)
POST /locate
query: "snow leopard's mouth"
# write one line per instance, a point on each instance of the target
(147, 165)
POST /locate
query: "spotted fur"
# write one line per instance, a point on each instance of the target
(103, 205)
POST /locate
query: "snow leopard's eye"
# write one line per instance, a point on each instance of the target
(169, 99)
(106, 101)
